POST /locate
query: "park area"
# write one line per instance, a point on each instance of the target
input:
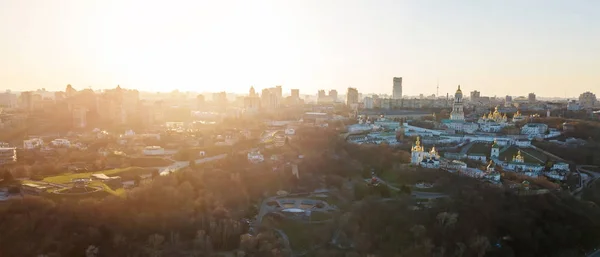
(96, 184)
(302, 236)
(124, 173)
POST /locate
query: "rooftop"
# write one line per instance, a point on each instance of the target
(393, 112)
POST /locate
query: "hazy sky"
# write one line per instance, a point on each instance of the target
(550, 47)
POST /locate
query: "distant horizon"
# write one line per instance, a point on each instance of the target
(285, 93)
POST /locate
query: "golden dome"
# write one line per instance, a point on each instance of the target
(458, 91)
(433, 151)
(417, 147)
(518, 157)
(517, 114)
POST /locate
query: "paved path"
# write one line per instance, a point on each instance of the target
(182, 164)
(594, 254)
(593, 176)
(286, 240)
(466, 148)
(417, 194)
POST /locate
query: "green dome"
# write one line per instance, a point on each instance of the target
(495, 144)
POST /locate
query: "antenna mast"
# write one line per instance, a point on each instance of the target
(437, 89)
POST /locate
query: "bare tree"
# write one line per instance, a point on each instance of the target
(92, 251)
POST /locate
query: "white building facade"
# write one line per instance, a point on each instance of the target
(458, 113)
(422, 158)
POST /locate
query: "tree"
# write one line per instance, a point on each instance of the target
(7, 176)
(384, 191)
(137, 180)
(405, 190)
(91, 251)
(14, 190)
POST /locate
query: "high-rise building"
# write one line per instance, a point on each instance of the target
(531, 97)
(252, 103)
(80, 117)
(321, 94)
(587, 100)
(368, 102)
(26, 100)
(508, 101)
(220, 98)
(8, 99)
(59, 96)
(278, 92)
(252, 92)
(397, 92)
(352, 97)
(322, 97)
(199, 101)
(333, 95)
(475, 95)
(458, 113)
(295, 93)
(70, 91)
(269, 98)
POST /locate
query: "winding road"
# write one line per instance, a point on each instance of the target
(593, 176)
(594, 254)
(182, 164)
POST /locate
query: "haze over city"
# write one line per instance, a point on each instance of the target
(313, 128)
(503, 48)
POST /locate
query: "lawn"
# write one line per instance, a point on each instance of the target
(595, 169)
(391, 176)
(96, 194)
(67, 178)
(124, 172)
(301, 235)
(431, 189)
(330, 199)
(117, 192)
(149, 162)
(535, 154)
(480, 148)
(320, 216)
(530, 155)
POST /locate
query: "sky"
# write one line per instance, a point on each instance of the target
(509, 47)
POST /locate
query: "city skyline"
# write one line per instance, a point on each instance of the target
(309, 45)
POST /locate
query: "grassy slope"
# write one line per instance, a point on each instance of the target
(68, 177)
(480, 148)
(530, 155)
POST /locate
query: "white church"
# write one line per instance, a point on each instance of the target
(422, 158)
